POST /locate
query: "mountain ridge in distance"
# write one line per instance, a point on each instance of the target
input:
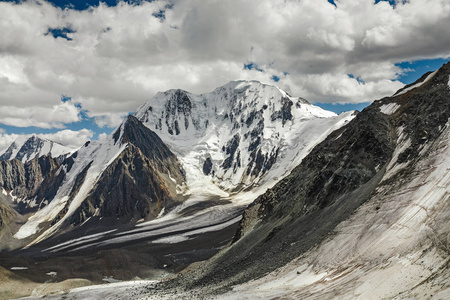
(26, 148)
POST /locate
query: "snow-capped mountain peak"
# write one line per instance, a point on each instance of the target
(236, 133)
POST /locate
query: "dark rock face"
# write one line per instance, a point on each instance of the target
(207, 166)
(153, 148)
(178, 109)
(285, 113)
(134, 185)
(230, 149)
(129, 188)
(30, 179)
(339, 175)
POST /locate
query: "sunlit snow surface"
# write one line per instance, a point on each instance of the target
(390, 108)
(46, 148)
(216, 117)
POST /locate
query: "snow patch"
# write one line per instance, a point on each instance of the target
(110, 279)
(403, 143)
(389, 109)
(171, 239)
(4, 192)
(19, 268)
(78, 241)
(161, 213)
(417, 84)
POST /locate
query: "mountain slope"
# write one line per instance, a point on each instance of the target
(25, 149)
(368, 201)
(139, 182)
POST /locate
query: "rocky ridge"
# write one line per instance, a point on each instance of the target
(25, 149)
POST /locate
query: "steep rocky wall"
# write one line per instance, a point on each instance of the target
(25, 180)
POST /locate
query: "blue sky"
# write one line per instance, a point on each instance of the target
(413, 70)
(73, 69)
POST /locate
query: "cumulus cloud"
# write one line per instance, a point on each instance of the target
(102, 136)
(40, 116)
(115, 58)
(6, 140)
(70, 138)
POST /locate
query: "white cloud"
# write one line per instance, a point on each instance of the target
(102, 136)
(119, 57)
(40, 116)
(108, 119)
(6, 140)
(70, 138)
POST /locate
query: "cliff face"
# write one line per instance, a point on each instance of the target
(6, 215)
(29, 180)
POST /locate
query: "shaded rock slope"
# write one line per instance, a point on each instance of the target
(139, 182)
(364, 169)
(28, 181)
